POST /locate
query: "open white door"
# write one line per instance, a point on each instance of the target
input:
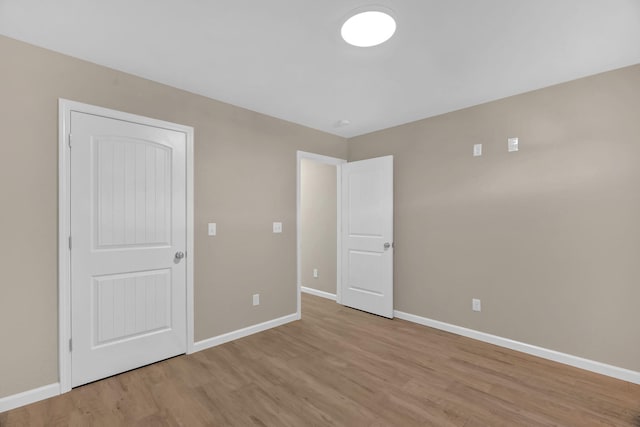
(128, 231)
(367, 235)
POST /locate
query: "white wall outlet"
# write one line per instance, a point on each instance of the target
(277, 227)
(212, 229)
(256, 299)
(315, 273)
(477, 150)
(512, 144)
(476, 305)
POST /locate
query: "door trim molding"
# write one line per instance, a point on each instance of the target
(331, 161)
(65, 107)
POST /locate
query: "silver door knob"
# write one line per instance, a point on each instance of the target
(387, 245)
(179, 255)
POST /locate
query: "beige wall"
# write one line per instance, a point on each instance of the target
(318, 211)
(548, 237)
(245, 178)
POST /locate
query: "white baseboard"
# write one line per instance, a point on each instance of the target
(318, 293)
(241, 333)
(556, 356)
(29, 396)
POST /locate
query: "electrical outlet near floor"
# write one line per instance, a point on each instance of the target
(476, 305)
(315, 273)
(256, 299)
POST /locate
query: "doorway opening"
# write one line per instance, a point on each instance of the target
(318, 226)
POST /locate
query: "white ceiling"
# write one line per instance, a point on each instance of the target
(285, 58)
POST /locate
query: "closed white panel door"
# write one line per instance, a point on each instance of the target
(367, 235)
(128, 230)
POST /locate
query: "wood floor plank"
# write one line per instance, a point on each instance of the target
(343, 367)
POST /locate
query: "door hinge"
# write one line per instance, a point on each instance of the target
(69, 141)
(69, 242)
(70, 344)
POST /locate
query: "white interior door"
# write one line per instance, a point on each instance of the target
(128, 231)
(367, 235)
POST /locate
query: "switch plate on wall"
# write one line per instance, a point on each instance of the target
(315, 273)
(477, 150)
(212, 229)
(256, 299)
(512, 144)
(277, 227)
(476, 305)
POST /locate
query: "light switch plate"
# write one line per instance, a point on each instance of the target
(477, 150)
(277, 227)
(512, 144)
(212, 229)
(256, 299)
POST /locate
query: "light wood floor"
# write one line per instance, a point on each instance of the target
(343, 367)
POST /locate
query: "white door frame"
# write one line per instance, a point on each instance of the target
(65, 107)
(330, 161)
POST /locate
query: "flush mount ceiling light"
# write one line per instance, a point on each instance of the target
(368, 28)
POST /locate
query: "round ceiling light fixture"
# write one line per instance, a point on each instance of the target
(368, 28)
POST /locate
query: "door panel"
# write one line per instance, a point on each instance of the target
(133, 191)
(367, 203)
(365, 269)
(131, 305)
(128, 220)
